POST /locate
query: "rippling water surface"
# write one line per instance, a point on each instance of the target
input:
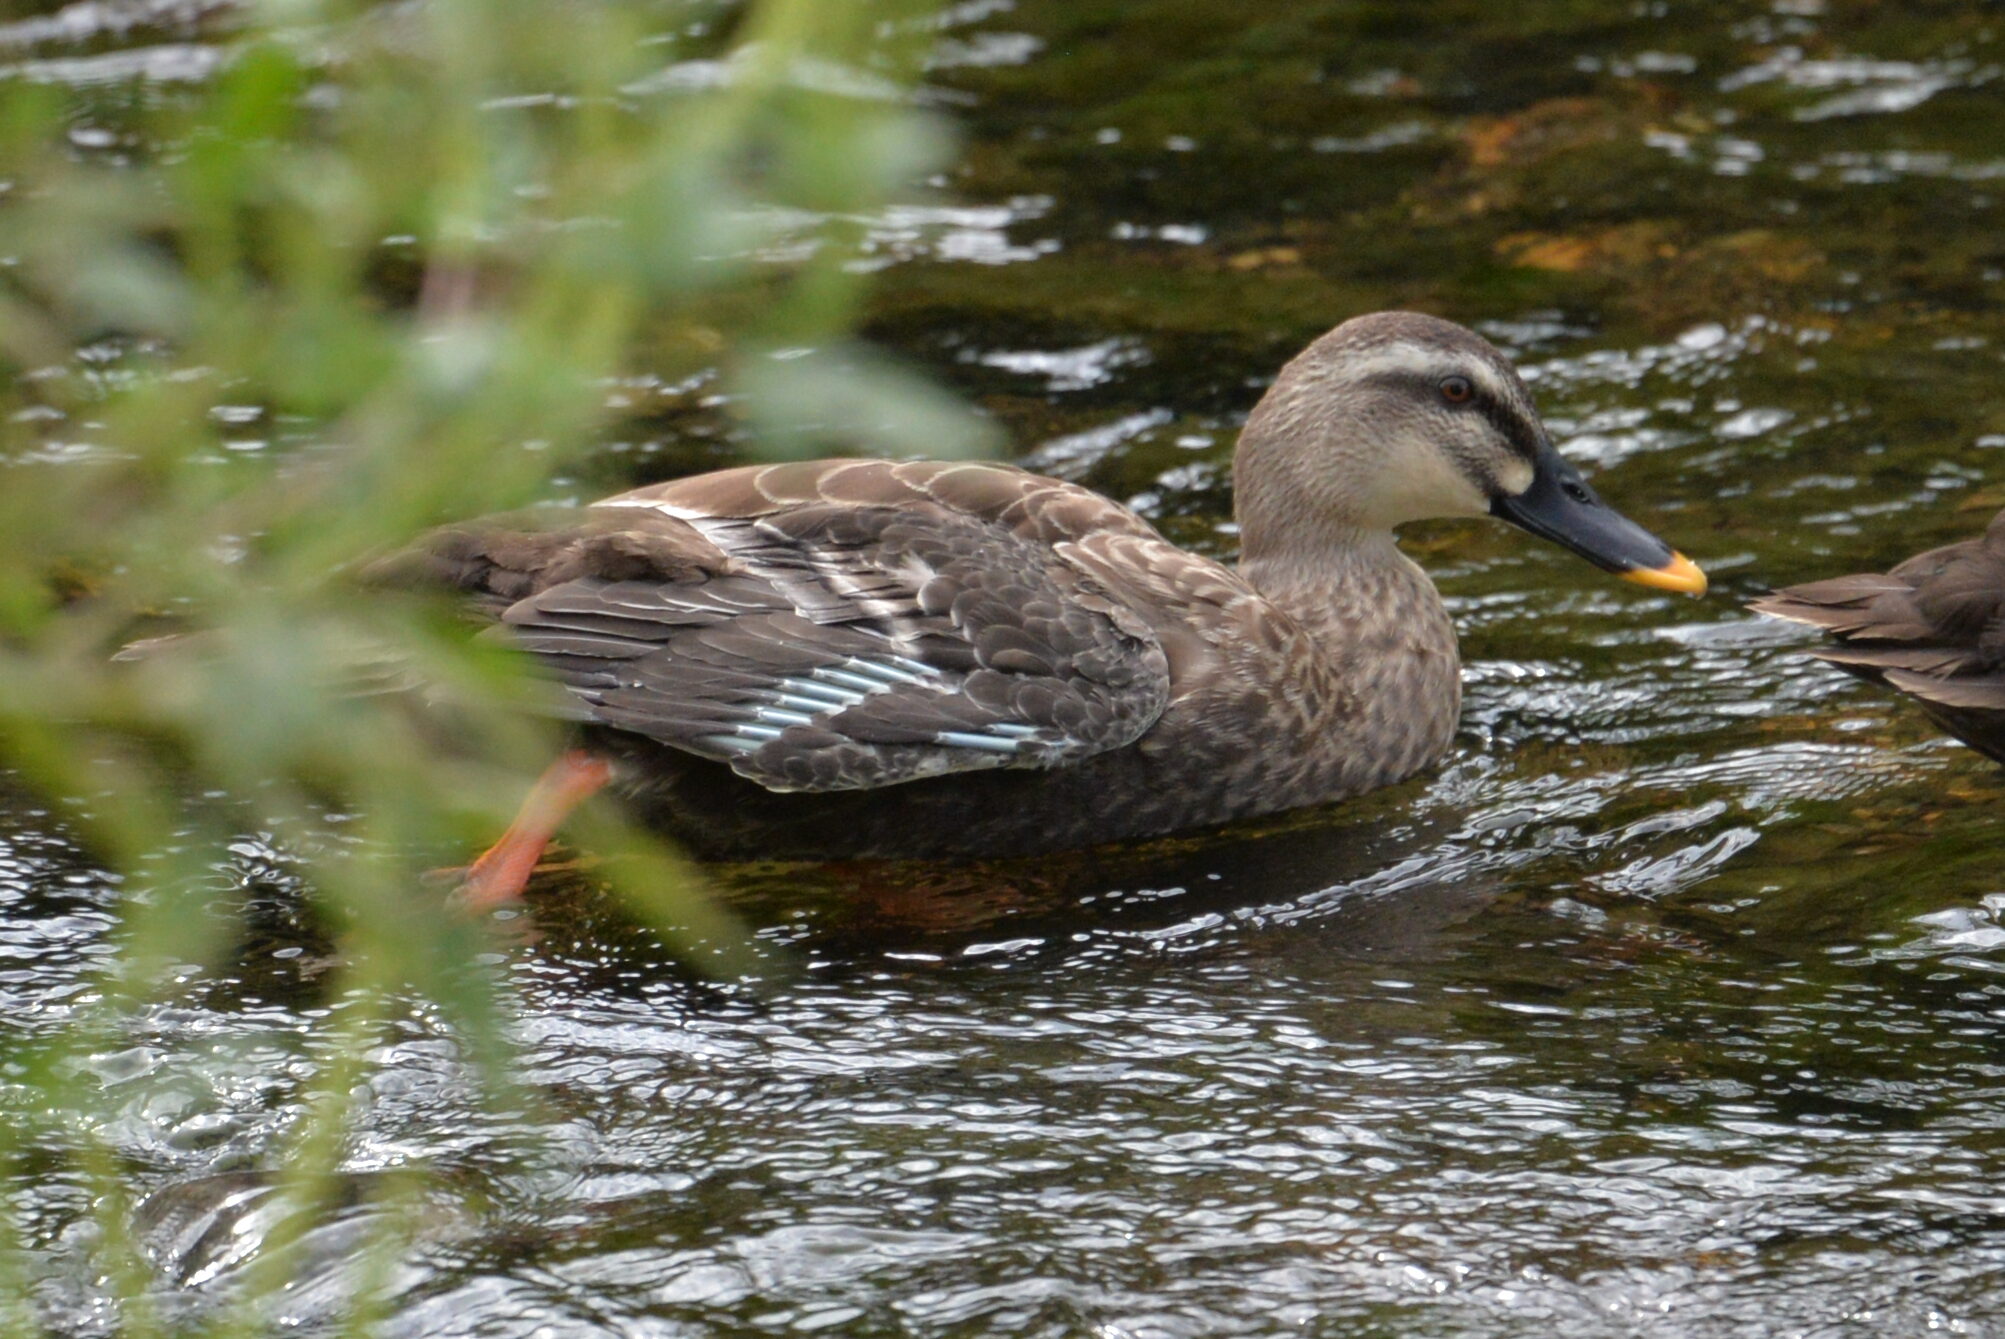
(1671, 1004)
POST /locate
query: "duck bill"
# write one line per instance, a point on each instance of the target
(1561, 507)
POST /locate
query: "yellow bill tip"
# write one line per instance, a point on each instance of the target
(1681, 574)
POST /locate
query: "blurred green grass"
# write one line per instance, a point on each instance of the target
(376, 273)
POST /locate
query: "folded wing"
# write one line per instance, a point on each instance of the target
(836, 626)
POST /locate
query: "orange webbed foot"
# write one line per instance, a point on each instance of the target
(498, 877)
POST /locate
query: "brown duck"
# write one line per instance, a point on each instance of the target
(1933, 628)
(852, 658)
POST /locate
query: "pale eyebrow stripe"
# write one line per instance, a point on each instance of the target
(1493, 386)
(1396, 360)
(1420, 360)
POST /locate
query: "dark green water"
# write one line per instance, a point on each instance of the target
(1671, 1004)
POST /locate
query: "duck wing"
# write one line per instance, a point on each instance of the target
(1933, 628)
(836, 625)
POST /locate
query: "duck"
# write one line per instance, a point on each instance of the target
(866, 658)
(1933, 628)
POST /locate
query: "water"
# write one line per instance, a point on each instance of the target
(1670, 1004)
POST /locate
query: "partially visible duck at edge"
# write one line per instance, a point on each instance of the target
(1932, 628)
(863, 658)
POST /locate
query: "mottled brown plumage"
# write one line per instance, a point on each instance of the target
(860, 657)
(1933, 628)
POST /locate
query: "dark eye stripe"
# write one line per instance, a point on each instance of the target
(1511, 424)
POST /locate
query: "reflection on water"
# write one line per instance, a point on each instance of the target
(1545, 1047)
(1669, 1005)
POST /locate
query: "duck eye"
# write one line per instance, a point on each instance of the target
(1457, 390)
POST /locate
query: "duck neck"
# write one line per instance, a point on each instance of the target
(1348, 579)
(1380, 627)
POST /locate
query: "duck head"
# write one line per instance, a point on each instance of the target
(1398, 417)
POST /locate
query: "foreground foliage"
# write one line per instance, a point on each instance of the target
(379, 268)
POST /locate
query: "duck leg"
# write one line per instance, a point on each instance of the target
(500, 874)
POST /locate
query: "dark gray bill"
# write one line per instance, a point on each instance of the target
(1561, 507)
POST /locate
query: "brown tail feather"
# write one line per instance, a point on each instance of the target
(1933, 628)
(500, 560)
(1967, 694)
